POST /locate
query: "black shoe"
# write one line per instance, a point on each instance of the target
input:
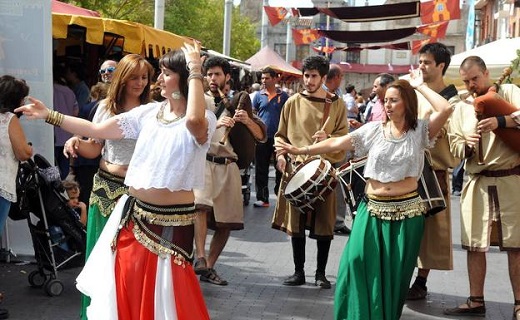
(4, 314)
(297, 279)
(321, 281)
(342, 230)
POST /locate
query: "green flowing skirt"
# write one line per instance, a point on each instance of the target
(376, 267)
(95, 224)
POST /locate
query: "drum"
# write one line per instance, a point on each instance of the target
(353, 185)
(429, 189)
(309, 183)
(352, 182)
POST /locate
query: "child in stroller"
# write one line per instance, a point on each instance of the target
(57, 234)
(79, 207)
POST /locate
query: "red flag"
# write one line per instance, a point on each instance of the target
(305, 36)
(434, 30)
(439, 10)
(275, 14)
(418, 44)
(326, 50)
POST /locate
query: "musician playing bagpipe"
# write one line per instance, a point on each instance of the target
(306, 117)
(219, 204)
(490, 204)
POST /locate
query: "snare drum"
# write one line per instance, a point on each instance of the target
(352, 182)
(429, 189)
(309, 183)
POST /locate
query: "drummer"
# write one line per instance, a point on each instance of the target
(313, 115)
(380, 256)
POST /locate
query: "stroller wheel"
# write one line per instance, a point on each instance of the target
(54, 288)
(37, 279)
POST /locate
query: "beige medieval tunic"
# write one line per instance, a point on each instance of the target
(487, 199)
(436, 245)
(222, 191)
(301, 117)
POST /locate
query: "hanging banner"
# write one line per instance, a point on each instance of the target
(439, 10)
(305, 36)
(434, 30)
(275, 14)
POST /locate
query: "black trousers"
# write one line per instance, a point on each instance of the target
(298, 246)
(263, 154)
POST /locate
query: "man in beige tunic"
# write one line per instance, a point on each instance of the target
(219, 205)
(436, 245)
(305, 119)
(489, 200)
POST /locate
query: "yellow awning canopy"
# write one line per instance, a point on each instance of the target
(138, 37)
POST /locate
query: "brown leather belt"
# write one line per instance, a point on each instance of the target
(220, 160)
(500, 173)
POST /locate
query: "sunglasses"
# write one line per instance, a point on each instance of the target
(107, 70)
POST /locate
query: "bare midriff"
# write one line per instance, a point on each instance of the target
(396, 188)
(115, 169)
(163, 197)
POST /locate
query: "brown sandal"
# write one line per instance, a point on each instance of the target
(478, 311)
(516, 312)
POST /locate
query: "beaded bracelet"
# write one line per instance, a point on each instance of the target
(195, 76)
(55, 118)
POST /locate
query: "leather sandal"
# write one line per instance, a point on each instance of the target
(467, 310)
(416, 292)
(200, 267)
(516, 312)
(213, 277)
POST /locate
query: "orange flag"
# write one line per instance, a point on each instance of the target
(418, 44)
(275, 14)
(305, 36)
(439, 10)
(434, 30)
(324, 49)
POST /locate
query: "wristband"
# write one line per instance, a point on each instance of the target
(501, 121)
(307, 150)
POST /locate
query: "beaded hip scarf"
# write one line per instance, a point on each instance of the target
(395, 207)
(106, 189)
(154, 227)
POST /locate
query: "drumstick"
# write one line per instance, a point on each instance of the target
(323, 127)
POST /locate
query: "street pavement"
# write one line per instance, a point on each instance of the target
(255, 262)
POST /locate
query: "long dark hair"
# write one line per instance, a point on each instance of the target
(12, 93)
(176, 62)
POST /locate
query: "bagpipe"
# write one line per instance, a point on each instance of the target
(491, 104)
(239, 136)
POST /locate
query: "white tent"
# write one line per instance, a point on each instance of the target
(497, 55)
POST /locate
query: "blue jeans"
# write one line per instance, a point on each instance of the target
(457, 177)
(5, 205)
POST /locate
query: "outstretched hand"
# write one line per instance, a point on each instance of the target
(416, 78)
(283, 148)
(34, 110)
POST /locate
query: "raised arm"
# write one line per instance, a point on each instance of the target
(108, 129)
(196, 121)
(442, 108)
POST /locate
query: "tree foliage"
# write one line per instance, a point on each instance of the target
(200, 19)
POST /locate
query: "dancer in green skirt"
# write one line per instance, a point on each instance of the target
(379, 258)
(130, 88)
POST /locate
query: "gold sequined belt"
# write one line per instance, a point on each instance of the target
(395, 207)
(146, 216)
(106, 189)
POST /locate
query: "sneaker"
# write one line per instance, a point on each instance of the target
(321, 281)
(261, 204)
(297, 279)
(456, 193)
(212, 277)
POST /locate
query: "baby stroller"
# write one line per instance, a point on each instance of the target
(58, 236)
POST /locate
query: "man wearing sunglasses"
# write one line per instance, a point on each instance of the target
(107, 70)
